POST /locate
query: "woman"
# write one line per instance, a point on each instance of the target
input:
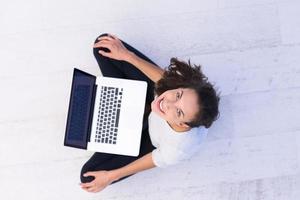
(180, 105)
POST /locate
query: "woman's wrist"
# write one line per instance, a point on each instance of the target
(114, 175)
(130, 57)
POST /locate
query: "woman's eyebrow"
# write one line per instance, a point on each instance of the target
(180, 109)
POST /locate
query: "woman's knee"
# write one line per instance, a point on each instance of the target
(86, 168)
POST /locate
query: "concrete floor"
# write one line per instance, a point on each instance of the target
(248, 49)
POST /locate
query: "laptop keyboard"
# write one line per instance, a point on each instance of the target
(108, 115)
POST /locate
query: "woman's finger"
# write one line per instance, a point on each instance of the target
(85, 188)
(113, 36)
(106, 54)
(89, 184)
(102, 44)
(89, 174)
(91, 189)
(105, 38)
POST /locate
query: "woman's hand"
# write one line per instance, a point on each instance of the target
(117, 50)
(102, 179)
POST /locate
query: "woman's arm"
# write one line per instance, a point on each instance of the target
(104, 178)
(119, 52)
(152, 71)
(138, 165)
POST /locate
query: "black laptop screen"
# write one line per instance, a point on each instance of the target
(79, 114)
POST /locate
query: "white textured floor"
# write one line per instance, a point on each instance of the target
(249, 49)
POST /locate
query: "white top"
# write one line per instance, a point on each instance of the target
(173, 147)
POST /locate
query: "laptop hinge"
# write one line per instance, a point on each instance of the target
(91, 112)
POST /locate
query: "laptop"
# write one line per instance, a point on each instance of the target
(105, 114)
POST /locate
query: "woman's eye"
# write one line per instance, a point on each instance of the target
(178, 113)
(177, 95)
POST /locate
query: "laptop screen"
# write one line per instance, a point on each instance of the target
(80, 109)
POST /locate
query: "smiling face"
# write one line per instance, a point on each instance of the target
(176, 106)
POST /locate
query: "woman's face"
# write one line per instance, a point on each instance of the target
(176, 106)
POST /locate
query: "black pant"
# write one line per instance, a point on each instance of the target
(121, 69)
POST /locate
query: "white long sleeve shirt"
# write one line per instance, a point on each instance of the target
(173, 147)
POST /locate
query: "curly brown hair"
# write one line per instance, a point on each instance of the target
(180, 74)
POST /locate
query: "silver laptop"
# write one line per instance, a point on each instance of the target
(105, 114)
